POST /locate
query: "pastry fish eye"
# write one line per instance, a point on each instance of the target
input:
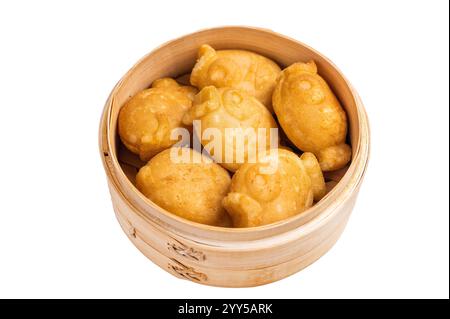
(223, 71)
(263, 187)
(237, 105)
(304, 85)
(308, 88)
(160, 128)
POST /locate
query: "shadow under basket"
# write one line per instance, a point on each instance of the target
(230, 257)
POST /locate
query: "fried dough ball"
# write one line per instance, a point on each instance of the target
(222, 109)
(259, 197)
(193, 188)
(147, 119)
(239, 69)
(311, 115)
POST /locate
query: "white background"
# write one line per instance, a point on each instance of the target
(58, 63)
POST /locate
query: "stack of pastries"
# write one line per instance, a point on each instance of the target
(237, 89)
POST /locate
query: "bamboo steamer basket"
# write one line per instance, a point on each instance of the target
(225, 256)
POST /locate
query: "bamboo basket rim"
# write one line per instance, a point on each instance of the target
(321, 211)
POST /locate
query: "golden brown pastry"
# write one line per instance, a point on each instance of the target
(311, 115)
(226, 108)
(147, 119)
(239, 69)
(192, 189)
(257, 198)
(314, 171)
